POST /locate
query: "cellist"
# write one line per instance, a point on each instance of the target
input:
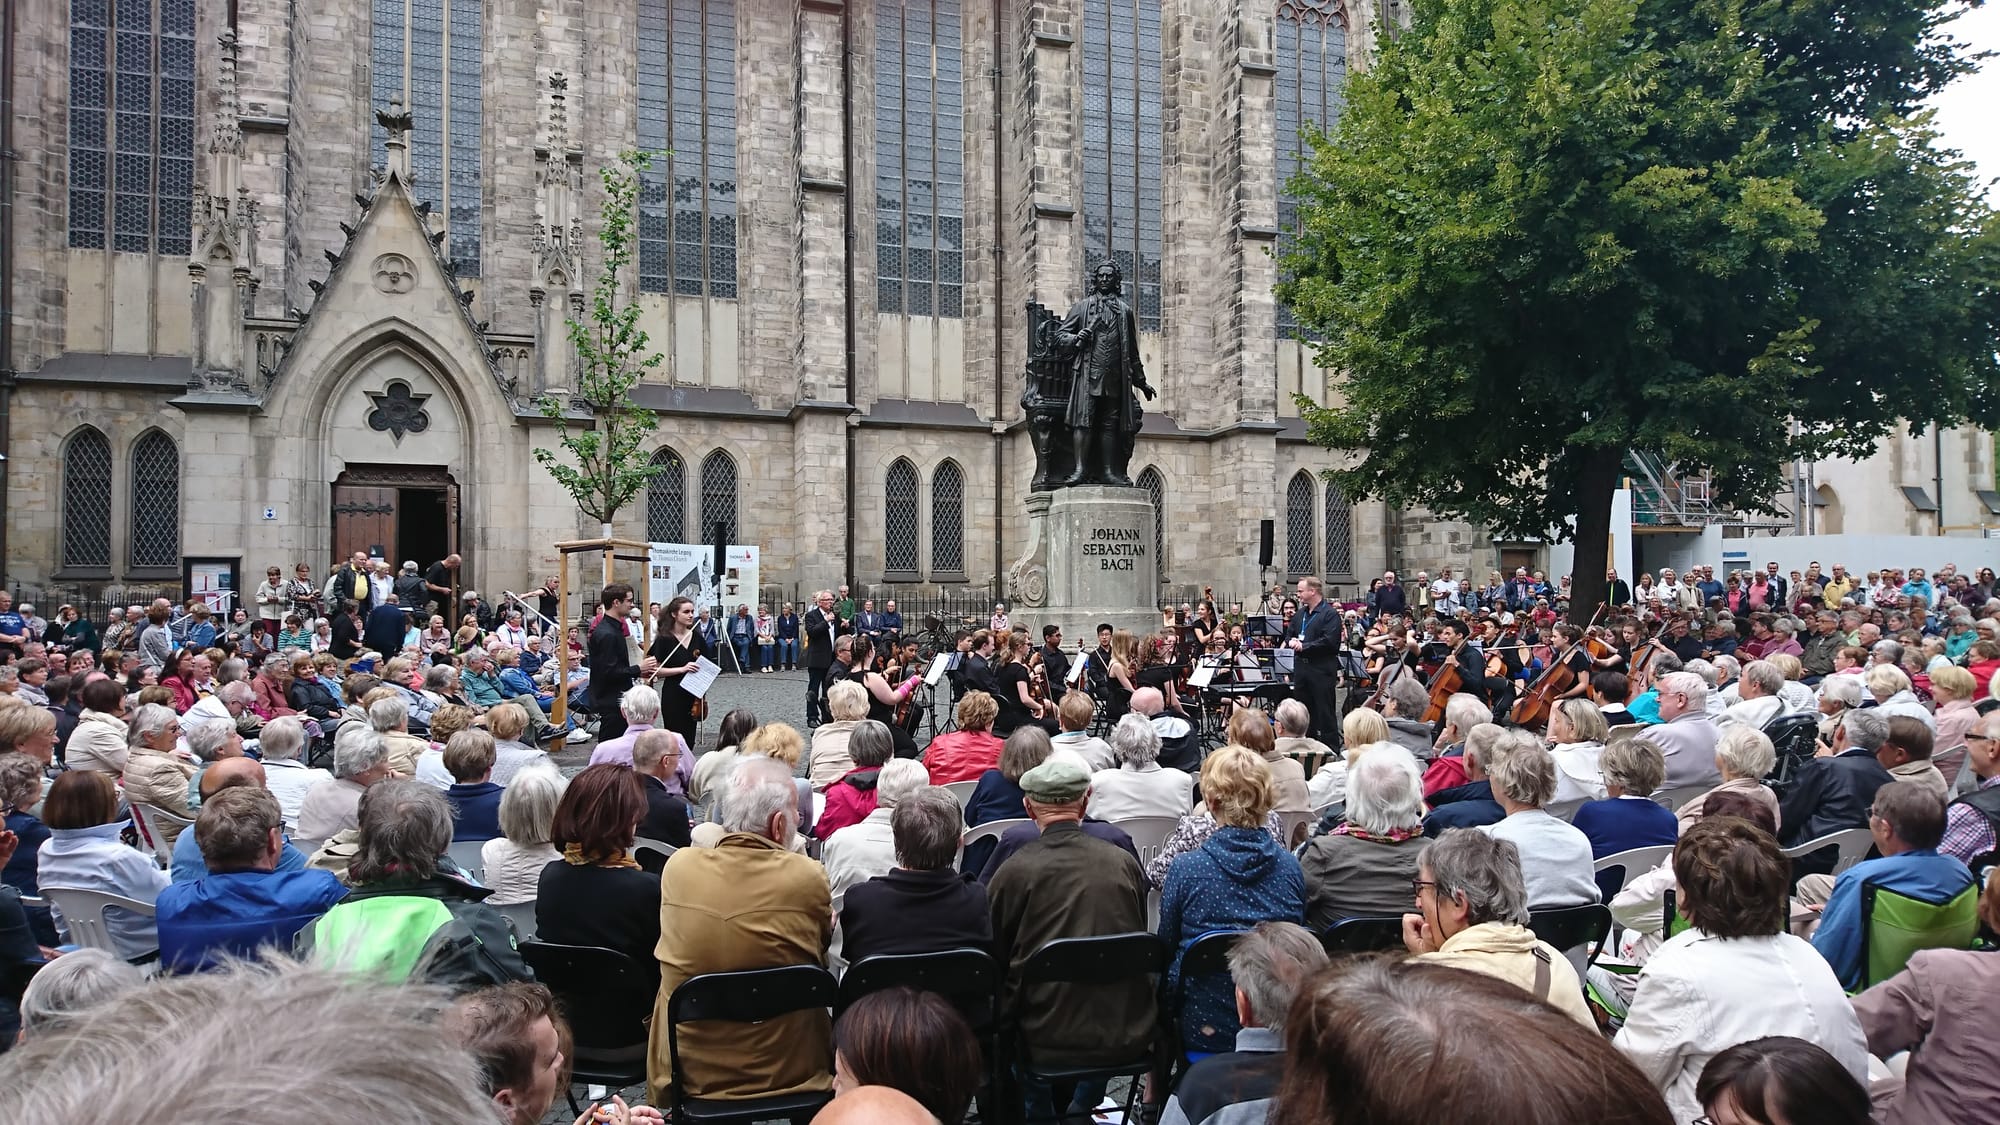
(1571, 652)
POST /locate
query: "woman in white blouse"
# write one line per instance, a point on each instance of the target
(1140, 786)
(513, 862)
(84, 853)
(1576, 735)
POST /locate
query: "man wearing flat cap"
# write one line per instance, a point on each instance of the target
(1067, 884)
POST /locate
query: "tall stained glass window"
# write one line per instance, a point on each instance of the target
(156, 501)
(718, 496)
(1156, 491)
(1122, 147)
(687, 122)
(899, 518)
(1339, 534)
(1299, 525)
(131, 125)
(666, 499)
(86, 500)
(919, 158)
(427, 54)
(948, 519)
(1312, 70)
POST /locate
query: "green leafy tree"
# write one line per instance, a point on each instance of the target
(606, 462)
(1548, 232)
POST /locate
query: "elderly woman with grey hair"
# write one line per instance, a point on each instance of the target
(67, 988)
(405, 828)
(1577, 733)
(288, 779)
(157, 770)
(869, 745)
(512, 862)
(1140, 786)
(1364, 866)
(1472, 914)
(360, 759)
(1628, 817)
(1838, 694)
(867, 848)
(1745, 756)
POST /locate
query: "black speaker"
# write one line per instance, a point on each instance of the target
(1266, 545)
(719, 549)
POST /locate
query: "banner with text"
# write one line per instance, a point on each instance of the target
(688, 570)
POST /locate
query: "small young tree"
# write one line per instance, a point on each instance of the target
(610, 461)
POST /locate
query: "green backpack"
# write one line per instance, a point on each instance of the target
(403, 938)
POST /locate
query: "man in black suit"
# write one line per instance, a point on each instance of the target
(1315, 637)
(977, 668)
(611, 669)
(1780, 589)
(820, 628)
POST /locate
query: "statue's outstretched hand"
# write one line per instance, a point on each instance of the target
(1147, 388)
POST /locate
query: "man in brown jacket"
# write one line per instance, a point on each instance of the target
(1066, 885)
(747, 903)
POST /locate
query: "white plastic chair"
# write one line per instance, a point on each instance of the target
(83, 916)
(468, 855)
(159, 829)
(1852, 842)
(644, 845)
(992, 830)
(1673, 799)
(962, 790)
(1149, 834)
(1635, 862)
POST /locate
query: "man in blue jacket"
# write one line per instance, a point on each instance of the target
(244, 903)
(1907, 821)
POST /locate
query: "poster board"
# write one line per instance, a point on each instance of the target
(215, 581)
(677, 570)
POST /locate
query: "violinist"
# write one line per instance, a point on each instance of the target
(884, 697)
(1012, 672)
(1054, 662)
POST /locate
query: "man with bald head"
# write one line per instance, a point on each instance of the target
(226, 773)
(244, 904)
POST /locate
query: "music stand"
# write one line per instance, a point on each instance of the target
(1283, 661)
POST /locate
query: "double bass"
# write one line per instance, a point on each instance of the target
(1558, 679)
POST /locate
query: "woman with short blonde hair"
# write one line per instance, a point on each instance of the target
(1364, 726)
(1952, 688)
(1238, 877)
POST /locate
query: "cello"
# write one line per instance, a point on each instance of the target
(1445, 684)
(1639, 667)
(1558, 679)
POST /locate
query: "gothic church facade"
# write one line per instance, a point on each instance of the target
(288, 278)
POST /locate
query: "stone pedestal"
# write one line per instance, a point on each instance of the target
(1089, 560)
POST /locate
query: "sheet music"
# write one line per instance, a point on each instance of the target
(697, 682)
(939, 665)
(1283, 660)
(1076, 671)
(1201, 677)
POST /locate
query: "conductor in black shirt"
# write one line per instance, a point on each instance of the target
(611, 668)
(1315, 637)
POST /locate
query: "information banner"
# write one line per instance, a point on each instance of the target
(687, 570)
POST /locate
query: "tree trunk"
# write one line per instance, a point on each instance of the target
(1595, 487)
(606, 533)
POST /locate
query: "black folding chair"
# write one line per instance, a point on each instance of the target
(1094, 961)
(1368, 934)
(968, 978)
(1794, 737)
(1571, 926)
(608, 999)
(750, 996)
(1207, 957)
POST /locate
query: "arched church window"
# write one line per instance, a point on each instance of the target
(1299, 525)
(687, 122)
(1312, 70)
(718, 496)
(1123, 133)
(899, 519)
(427, 54)
(86, 500)
(156, 502)
(1156, 490)
(919, 157)
(131, 125)
(1339, 535)
(666, 499)
(948, 519)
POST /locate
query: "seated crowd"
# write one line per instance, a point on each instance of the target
(287, 841)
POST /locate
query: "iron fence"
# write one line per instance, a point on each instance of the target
(92, 603)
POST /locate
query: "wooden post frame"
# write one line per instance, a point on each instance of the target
(614, 551)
